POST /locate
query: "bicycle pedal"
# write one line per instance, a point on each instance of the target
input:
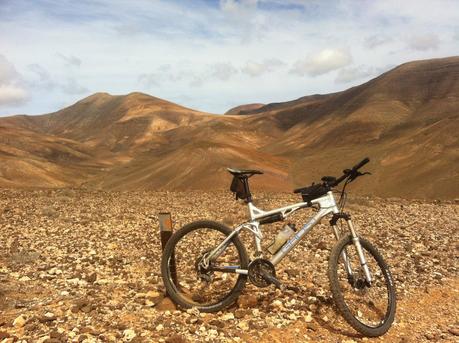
(273, 280)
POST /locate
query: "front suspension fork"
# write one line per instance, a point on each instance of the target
(358, 247)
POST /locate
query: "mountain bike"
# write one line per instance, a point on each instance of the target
(212, 264)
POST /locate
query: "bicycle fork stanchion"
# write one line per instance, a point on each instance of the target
(347, 264)
(358, 246)
(165, 229)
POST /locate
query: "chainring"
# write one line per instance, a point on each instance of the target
(256, 269)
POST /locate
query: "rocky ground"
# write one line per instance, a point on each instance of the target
(81, 266)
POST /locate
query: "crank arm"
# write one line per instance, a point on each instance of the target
(272, 279)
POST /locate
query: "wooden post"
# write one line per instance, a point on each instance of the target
(165, 229)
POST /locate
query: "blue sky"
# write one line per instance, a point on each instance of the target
(209, 55)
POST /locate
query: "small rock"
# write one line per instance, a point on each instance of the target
(176, 339)
(292, 316)
(54, 271)
(218, 323)
(48, 317)
(277, 303)
(91, 278)
(52, 340)
(20, 321)
(152, 295)
(86, 308)
(227, 316)
(129, 334)
(308, 318)
(311, 326)
(240, 313)
(243, 325)
(4, 334)
(56, 334)
(322, 245)
(292, 272)
(248, 300)
(166, 304)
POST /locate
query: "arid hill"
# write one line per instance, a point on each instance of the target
(406, 120)
(244, 109)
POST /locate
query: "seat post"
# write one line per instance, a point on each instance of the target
(245, 181)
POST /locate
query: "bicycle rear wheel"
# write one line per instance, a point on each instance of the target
(209, 289)
(368, 308)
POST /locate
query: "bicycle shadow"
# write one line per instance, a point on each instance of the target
(337, 315)
(327, 325)
(334, 325)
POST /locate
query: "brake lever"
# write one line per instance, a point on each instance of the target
(356, 174)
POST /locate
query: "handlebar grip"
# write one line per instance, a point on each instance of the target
(361, 163)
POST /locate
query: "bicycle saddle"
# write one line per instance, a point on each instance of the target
(243, 171)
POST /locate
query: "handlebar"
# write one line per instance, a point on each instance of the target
(315, 189)
(348, 172)
(361, 164)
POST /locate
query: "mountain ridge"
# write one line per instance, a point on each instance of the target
(406, 120)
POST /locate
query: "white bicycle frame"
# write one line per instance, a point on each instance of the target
(327, 205)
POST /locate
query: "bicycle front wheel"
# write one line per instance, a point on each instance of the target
(367, 307)
(209, 288)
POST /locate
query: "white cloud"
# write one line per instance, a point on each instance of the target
(12, 95)
(12, 91)
(424, 12)
(374, 41)
(168, 75)
(71, 86)
(7, 71)
(241, 7)
(216, 52)
(42, 78)
(258, 68)
(223, 71)
(70, 60)
(45, 81)
(422, 42)
(322, 63)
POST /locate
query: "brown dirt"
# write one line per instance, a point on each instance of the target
(84, 266)
(426, 315)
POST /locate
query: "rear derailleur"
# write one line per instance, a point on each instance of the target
(203, 273)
